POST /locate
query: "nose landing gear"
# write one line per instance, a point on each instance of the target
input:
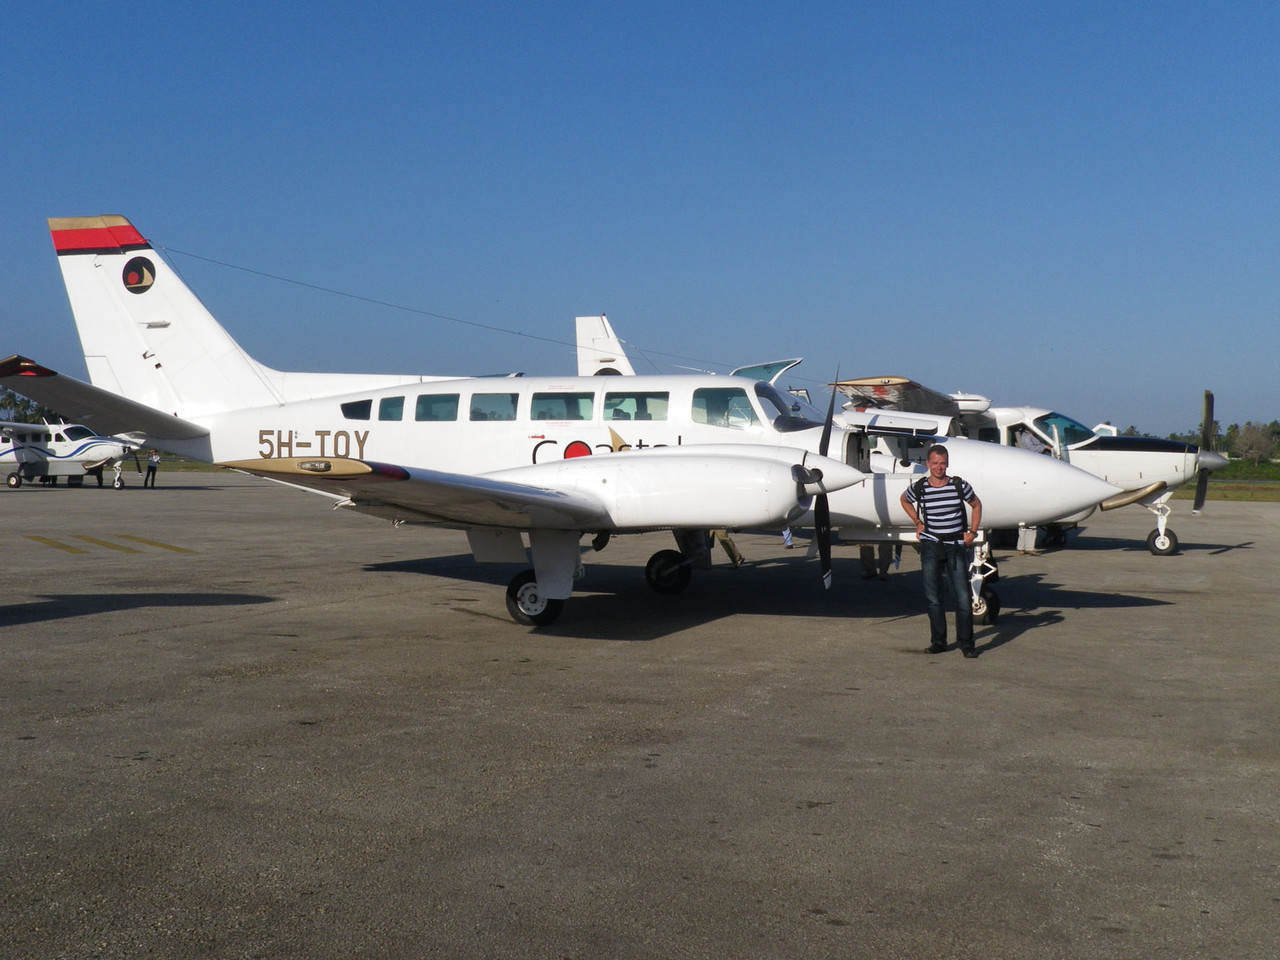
(983, 573)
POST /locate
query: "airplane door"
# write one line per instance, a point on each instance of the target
(857, 451)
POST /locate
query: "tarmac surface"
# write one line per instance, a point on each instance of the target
(236, 723)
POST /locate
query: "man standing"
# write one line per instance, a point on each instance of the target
(153, 462)
(936, 504)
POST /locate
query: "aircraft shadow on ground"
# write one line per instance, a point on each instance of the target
(131, 482)
(1138, 546)
(457, 567)
(67, 605)
(614, 602)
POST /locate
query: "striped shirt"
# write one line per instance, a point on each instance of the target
(940, 507)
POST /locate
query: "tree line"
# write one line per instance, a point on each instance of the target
(1255, 442)
(18, 409)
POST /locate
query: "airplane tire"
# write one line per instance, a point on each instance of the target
(118, 483)
(1162, 546)
(987, 607)
(14, 480)
(666, 572)
(527, 605)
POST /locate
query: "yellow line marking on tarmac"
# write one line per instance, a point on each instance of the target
(108, 544)
(56, 545)
(156, 543)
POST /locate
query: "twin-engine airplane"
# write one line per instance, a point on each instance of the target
(1147, 469)
(29, 451)
(554, 458)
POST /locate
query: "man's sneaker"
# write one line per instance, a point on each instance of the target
(936, 648)
(970, 653)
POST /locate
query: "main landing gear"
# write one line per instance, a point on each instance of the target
(667, 572)
(527, 605)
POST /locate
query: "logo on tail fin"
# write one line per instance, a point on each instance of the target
(139, 274)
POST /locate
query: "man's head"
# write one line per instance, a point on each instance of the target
(937, 460)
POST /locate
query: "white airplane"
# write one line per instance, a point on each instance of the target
(33, 450)
(896, 441)
(556, 458)
(1148, 469)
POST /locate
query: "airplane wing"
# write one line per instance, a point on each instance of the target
(104, 412)
(898, 393)
(413, 495)
(707, 486)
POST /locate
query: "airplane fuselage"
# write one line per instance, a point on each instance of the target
(1131, 463)
(31, 450)
(489, 425)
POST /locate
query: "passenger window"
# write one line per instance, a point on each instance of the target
(635, 405)
(561, 406)
(391, 408)
(437, 407)
(493, 406)
(357, 409)
(723, 407)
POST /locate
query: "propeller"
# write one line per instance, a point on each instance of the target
(821, 512)
(1207, 434)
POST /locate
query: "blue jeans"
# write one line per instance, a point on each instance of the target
(950, 562)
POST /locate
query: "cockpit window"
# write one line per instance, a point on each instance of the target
(357, 409)
(1068, 432)
(792, 412)
(724, 407)
(77, 432)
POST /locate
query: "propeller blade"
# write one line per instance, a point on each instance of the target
(1207, 423)
(826, 427)
(1202, 491)
(1207, 435)
(821, 511)
(1207, 432)
(822, 533)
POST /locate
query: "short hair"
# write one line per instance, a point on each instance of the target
(938, 449)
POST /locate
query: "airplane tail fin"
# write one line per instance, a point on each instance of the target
(146, 336)
(599, 349)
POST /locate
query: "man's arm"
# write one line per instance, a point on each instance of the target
(914, 517)
(975, 520)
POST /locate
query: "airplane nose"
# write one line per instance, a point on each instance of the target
(1081, 490)
(1209, 460)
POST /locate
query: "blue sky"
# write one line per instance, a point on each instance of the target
(1073, 205)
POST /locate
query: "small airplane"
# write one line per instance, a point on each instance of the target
(551, 458)
(1148, 469)
(45, 450)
